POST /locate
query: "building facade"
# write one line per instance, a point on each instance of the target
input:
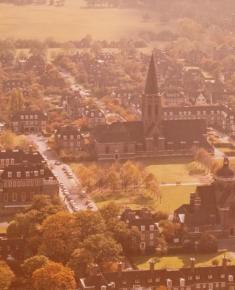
(212, 206)
(28, 121)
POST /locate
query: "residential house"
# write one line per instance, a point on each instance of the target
(220, 277)
(69, 138)
(28, 121)
(144, 221)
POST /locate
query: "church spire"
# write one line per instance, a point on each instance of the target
(151, 87)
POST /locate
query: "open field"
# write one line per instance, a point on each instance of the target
(175, 262)
(70, 22)
(172, 173)
(172, 198)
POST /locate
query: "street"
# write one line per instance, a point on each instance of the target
(71, 192)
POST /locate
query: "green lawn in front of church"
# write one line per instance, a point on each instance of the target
(172, 173)
(171, 198)
(178, 261)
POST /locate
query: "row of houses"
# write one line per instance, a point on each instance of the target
(23, 175)
(189, 278)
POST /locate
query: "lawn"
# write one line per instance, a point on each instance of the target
(172, 173)
(175, 262)
(70, 22)
(172, 198)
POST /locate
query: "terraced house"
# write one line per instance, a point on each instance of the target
(191, 278)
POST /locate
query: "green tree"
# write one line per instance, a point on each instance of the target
(103, 248)
(80, 261)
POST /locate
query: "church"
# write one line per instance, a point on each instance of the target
(152, 136)
(212, 206)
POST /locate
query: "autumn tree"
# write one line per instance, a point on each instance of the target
(32, 264)
(80, 261)
(58, 236)
(53, 276)
(6, 276)
(103, 248)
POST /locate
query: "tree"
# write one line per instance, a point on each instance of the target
(53, 276)
(152, 185)
(58, 236)
(32, 264)
(6, 276)
(80, 261)
(103, 248)
(130, 174)
(208, 243)
(89, 223)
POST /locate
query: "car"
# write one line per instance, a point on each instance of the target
(90, 206)
(57, 162)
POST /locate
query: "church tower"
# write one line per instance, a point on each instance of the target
(151, 106)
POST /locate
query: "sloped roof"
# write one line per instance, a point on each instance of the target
(119, 132)
(183, 130)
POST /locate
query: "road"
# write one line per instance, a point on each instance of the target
(70, 189)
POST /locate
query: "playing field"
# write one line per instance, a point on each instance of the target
(70, 22)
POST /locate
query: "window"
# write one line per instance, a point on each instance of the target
(18, 174)
(151, 236)
(151, 227)
(35, 173)
(14, 196)
(9, 174)
(142, 228)
(27, 174)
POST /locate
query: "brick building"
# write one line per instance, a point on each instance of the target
(153, 135)
(28, 121)
(144, 220)
(69, 138)
(189, 278)
(212, 206)
(22, 176)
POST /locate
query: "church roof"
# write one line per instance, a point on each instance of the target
(183, 130)
(119, 132)
(151, 87)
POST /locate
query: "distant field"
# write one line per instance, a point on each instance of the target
(178, 261)
(70, 22)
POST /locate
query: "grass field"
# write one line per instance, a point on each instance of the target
(172, 173)
(70, 22)
(175, 262)
(172, 198)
